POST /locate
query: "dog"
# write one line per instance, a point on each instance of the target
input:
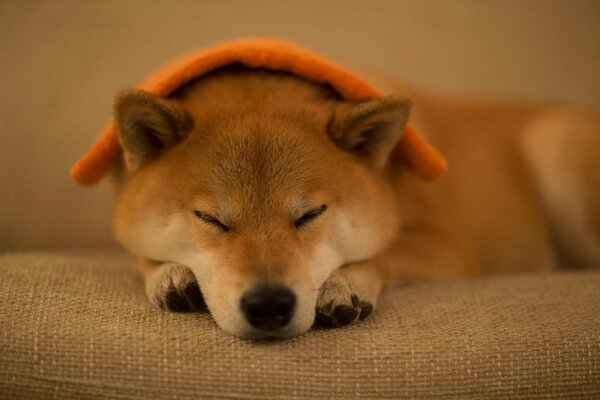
(277, 204)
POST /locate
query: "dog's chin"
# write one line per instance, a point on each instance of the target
(299, 325)
(286, 332)
(247, 331)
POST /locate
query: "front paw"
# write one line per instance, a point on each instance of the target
(174, 287)
(343, 299)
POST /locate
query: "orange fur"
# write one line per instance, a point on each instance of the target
(255, 150)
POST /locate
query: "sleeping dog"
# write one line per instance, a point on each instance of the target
(278, 203)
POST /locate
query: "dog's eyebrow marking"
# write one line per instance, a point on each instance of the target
(309, 216)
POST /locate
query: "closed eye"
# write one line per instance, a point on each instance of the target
(211, 220)
(309, 216)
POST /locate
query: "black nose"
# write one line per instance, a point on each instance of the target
(268, 307)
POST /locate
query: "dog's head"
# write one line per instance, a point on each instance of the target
(262, 196)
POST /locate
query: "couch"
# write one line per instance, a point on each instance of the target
(80, 327)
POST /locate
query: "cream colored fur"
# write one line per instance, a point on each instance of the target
(256, 150)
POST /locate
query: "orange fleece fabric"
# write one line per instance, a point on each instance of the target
(271, 54)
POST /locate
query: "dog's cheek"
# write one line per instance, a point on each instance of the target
(158, 237)
(305, 311)
(360, 235)
(325, 260)
(227, 314)
(222, 296)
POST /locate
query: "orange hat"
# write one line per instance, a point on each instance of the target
(265, 53)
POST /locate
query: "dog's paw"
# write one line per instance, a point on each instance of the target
(342, 301)
(174, 287)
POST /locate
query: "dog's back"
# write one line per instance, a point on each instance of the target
(523, 189)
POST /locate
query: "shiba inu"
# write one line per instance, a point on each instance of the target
(277, 202)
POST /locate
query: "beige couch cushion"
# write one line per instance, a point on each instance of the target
(78, 328)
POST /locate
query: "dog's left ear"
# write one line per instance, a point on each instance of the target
(371, 129)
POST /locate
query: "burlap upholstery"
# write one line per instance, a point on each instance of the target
(78, 328)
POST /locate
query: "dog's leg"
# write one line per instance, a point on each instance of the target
(562, 149)
(171, 286)
(427, 254)
(349, 294)
(418, 255)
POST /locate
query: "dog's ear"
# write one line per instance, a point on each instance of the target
(147, 125)
(371, 129)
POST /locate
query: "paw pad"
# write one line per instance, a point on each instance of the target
(366, 309)
(188, 299)
(344, 314)
(343, 299)
(176, 289)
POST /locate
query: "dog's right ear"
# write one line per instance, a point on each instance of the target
(147, 125)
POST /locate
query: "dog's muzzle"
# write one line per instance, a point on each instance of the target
(268, 307)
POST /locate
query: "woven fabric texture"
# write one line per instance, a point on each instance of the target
(78, 328)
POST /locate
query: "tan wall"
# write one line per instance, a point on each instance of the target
(62, 62)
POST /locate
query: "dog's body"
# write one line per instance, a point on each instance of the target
(279, 198)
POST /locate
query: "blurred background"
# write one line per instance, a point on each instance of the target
(63, 61)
